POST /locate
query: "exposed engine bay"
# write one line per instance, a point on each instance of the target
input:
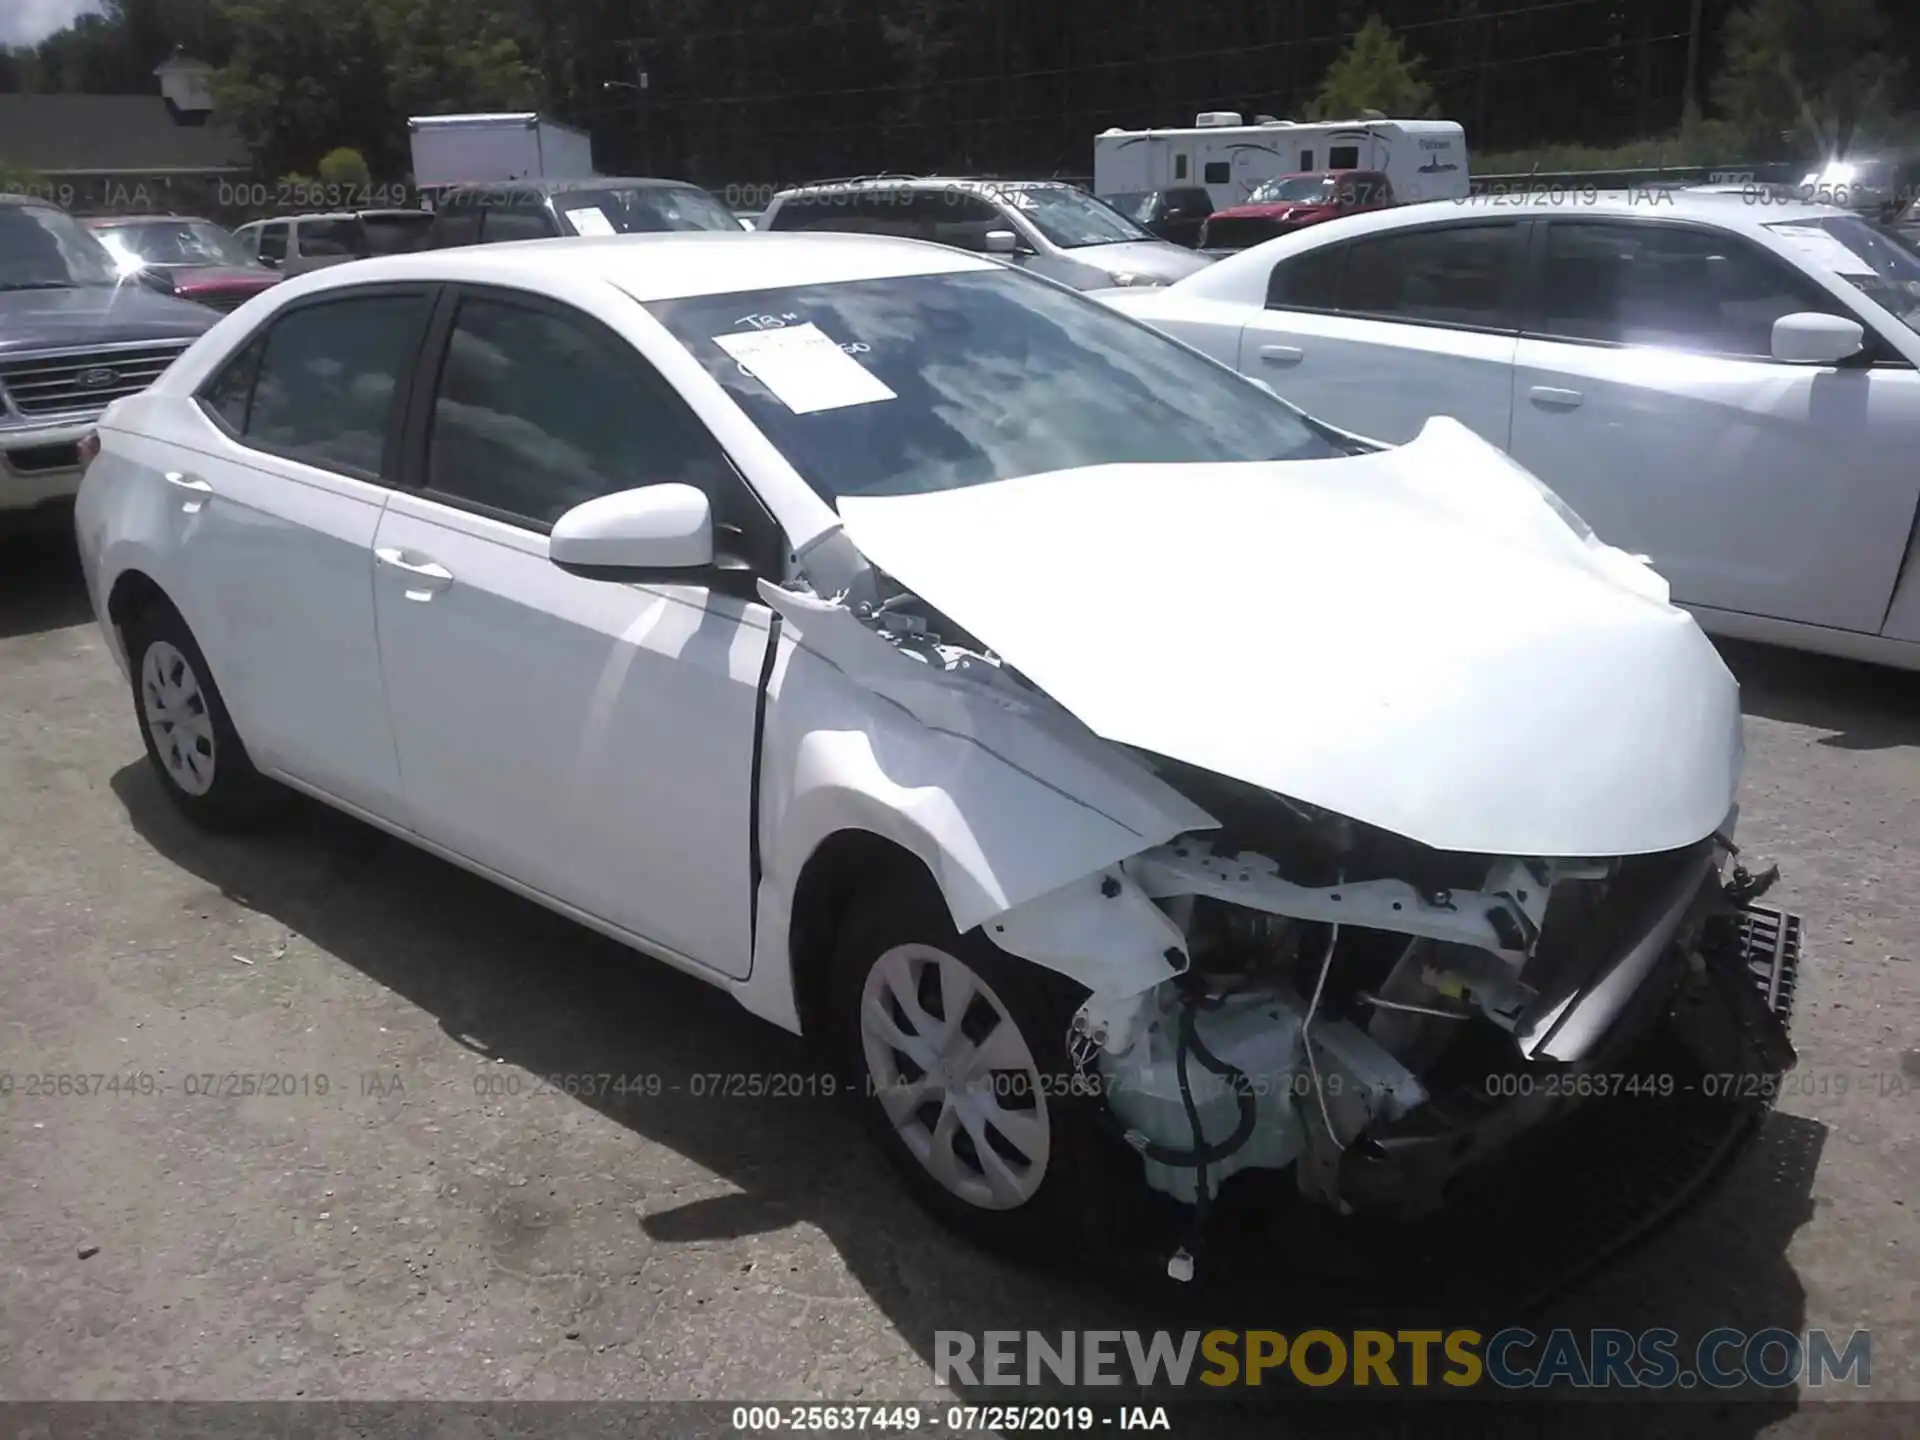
(1378, 1015)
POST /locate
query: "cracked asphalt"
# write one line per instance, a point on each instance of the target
(410, 1204)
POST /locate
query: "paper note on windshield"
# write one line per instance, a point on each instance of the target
(804, 368)
(1821, 248)
(590, 220)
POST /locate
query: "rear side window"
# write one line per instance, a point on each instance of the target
(1676, 288)
(539, 411)
(330, 239)
(1308, 282)
(395, 234)
(456, 223)
(1459, 275)
(273, 240)
(232, 389)
(327, 378)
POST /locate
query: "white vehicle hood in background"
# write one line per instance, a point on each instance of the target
(1414, 638)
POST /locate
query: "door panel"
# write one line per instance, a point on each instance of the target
(1776, 490)
(275, 558)
(1380, 379)
(590, 738)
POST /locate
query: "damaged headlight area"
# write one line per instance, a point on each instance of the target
(1383, 1018)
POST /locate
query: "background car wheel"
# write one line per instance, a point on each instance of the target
(958, 1052)
(190, 739)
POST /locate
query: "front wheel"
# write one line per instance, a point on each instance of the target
(960, 1053)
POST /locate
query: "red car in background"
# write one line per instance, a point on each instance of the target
(189, 257)
(1289, 202)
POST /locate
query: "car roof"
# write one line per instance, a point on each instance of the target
(668, 266)
(557, 187)
(145, 220)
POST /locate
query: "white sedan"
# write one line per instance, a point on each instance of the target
(1132, 779)
(1725, 383)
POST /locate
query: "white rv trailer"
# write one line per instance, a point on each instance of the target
(1422, 159)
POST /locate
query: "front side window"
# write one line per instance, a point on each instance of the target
(931, 382)
(273, 240)
(1459, 275)
(328, 377)
(330, 239)
(42, 248)
(497, 226)
(1070, 218)
(1879, 265)
(1676, 288)
(538, 411)
(231, 390)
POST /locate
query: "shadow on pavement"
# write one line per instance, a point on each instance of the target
(1867, 707)
(41, 587)
(510, 980)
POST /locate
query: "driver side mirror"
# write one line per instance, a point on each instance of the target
(1000, 242)
(1809, 338)
(632, 533)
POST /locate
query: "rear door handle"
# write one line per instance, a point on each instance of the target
(1551, 397)
(1281, 354)
(429, 579)
(197, 489)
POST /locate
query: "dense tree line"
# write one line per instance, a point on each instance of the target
(739, 92)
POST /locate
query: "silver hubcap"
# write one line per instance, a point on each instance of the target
(177, 717)
(955, 1076)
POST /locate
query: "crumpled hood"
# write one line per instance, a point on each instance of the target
(1415, 638)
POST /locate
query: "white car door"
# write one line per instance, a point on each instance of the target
(1646, 395)
(588, 737)
(276, 483)
(1379, 334)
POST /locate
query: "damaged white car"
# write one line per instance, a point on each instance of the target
(1134, 779)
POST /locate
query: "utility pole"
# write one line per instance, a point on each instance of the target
(1690, 103)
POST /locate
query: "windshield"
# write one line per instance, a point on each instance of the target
(934, 382)
(1070, 218)
(46, 249)
(173, 242)
(643, 209)
(1886, 272)
(1297, 189)
(1134, 204)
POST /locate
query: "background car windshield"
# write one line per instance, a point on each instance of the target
(46, 249)
(1070, 218)
(651, 208)
(174, 242)
(985, 377)
(1887, 273)
(1297, 189)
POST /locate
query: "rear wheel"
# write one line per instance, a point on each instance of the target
(959, 1054)
(190, 740)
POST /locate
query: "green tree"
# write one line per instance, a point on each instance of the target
(1811, 72)
(446, 57)
(345, 169)
(305, 77)
(1374, 72)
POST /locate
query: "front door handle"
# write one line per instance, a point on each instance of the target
(197, 490)
(1281, 354)
(1552, 397)
(428, 578)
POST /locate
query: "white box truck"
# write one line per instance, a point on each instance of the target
(1422, 159)
(488, 149)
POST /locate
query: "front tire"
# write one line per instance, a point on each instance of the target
(197, 754)
(958, 1051)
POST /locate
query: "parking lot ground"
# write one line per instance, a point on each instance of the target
(416, 1201)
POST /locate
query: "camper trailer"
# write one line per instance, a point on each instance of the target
(1422, 159)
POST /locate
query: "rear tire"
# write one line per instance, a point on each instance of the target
(198, 756)
(980, 1112)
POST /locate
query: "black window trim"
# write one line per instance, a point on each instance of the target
(765, 549)
(406, 372)
(1514, 302)
(1877, 354)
